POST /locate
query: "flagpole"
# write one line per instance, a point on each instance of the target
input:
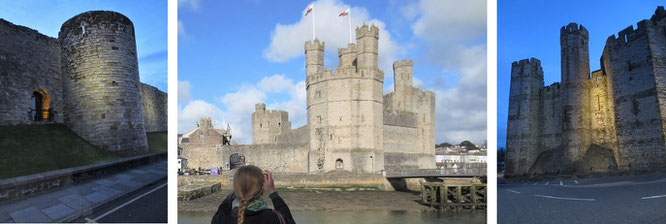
(313, 22)
(350, 30)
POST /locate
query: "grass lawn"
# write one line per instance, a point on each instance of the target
(30, 149)
(157, 141)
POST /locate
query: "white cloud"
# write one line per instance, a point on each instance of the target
(454, 33)
(287, 41)
(239, 106)
(191, 113)
(184, 91)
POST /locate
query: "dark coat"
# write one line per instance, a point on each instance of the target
(225, 214)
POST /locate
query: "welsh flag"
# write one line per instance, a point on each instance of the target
(346, 12)
(309, 10)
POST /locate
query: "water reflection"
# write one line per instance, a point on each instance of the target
(388, 217)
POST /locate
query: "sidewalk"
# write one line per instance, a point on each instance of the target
(72, 202)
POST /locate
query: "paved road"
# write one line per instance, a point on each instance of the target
(639, 199)
(148, 205)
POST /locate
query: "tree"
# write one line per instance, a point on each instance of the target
(468, 145)
(444, 144)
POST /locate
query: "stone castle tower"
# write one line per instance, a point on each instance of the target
(267, 125)
(575, 65)
(87, 79)
(344, 108)
(101, 80)
(605, 120)
(351, 126)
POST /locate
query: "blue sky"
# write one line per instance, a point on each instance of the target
(528, 29)
(233, 54)
(149, 18)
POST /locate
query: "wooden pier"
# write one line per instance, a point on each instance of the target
(454, 197)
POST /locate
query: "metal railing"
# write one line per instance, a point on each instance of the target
(445, 172)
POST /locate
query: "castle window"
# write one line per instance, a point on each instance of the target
(319, 118)
(597, 81)
(40, 108)
(331, 136)
(83, 29)
(279, 124)
(339, 164)
(261, 125)
(201, 138)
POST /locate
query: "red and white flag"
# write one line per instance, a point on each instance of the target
(346, 12)
(309, 10)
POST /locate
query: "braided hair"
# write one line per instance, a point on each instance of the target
(248, 186)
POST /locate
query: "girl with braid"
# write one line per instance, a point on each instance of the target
(245, 206)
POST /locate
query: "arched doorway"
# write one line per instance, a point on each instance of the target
(339, 164)
(236, 160)
(40, 107)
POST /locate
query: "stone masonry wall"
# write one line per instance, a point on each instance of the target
(268, 124)
(525, 116)
(155, 108)
(275, 157)
(28, 61)
(628, 59)
(101, 81)
(620, 107)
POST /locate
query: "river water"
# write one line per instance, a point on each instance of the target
(366, 217)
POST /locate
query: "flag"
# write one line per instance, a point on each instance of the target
(309, 10)
(346, 12)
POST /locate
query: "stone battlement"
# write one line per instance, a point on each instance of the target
(531, 61)
(365, 31)
(403, 62)
(573, 28)
(314, 45)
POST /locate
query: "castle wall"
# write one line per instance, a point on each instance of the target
(28, 61)
(524, 129)
(295, 136)
(640, 132)
(552, 117)
(602, 118)
(101, 81)
(155, 108)
(274, 157)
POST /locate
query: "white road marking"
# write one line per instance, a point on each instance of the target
(560, 198)
(547, 183)
(575, 181)
(653, 197)
(90, 220)
(126, 203)
(560, 183)
(512, 191)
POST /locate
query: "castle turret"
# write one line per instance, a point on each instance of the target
(268, 124)
(575, 74)
(402, 75)
(347, 56)
(524, 126)
(314, 57)
(367, 39)
(101, 81)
